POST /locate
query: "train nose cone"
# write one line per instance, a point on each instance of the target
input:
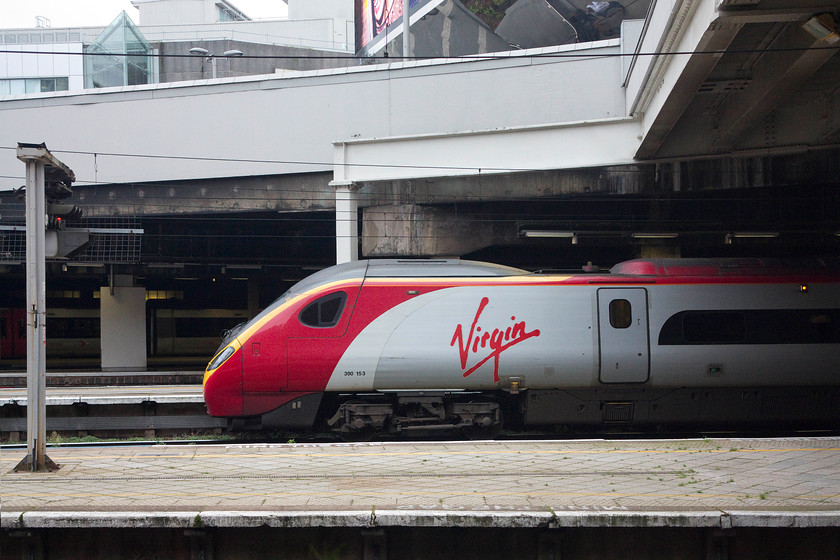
(223, 383)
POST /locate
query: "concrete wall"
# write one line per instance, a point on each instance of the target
(410, 229)
(449, 542)
(178, 68)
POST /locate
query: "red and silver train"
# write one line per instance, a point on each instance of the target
(389, 347)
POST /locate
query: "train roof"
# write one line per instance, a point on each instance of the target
(404, 268)
(456, 268)
(723, 267)
(437, 268)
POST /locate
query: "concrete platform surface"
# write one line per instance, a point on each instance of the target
(789, 482)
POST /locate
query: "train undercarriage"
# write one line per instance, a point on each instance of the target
(475, 416)
(482, 415)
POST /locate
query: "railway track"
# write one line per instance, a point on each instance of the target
(111, 415)
(121, 411)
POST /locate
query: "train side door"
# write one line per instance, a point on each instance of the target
(623, 335)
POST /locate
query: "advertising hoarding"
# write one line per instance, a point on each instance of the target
(380, 21)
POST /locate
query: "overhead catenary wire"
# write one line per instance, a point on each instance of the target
(244, 192)
(502, 55)
(97, 154)
(315, 219)
(326, 166)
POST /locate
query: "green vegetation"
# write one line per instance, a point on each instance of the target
(57, 440)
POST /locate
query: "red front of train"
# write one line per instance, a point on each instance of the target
(288, 351)
(291, 349)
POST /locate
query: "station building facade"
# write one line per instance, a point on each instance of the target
(125, 53)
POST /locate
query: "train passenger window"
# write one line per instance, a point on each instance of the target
(801, 326)
(621, 315)
(753, 326)
(714, 327)
(324, 312)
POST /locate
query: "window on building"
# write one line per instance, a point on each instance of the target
(20, 86)
(227, 13)
(120, 56)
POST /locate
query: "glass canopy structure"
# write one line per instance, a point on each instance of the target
(120, 56)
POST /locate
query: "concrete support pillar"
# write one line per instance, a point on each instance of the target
(253, 297)
(346, 221)
(659, 251)
(406, 29)
(375, 544)
(409, 230)
(123, 326)
(201, 544)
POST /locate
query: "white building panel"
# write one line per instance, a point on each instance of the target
(316, 9)
(60, 65)
(172, 12)
(16, 64)
(323, 34)
(29, 65)
(76, 82)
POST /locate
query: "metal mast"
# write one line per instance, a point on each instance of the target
(45, 177)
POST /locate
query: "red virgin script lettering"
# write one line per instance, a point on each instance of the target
(493, 342)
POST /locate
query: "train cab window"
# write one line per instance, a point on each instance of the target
(324, 312)
(621, 314)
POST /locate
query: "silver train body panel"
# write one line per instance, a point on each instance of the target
(561, 337)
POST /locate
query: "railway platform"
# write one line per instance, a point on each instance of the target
(715, 494)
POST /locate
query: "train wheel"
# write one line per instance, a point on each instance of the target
(480, 432)
(362, 435)
(359, 420)
(485, 425)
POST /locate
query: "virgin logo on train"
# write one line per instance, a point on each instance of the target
(482, 344)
